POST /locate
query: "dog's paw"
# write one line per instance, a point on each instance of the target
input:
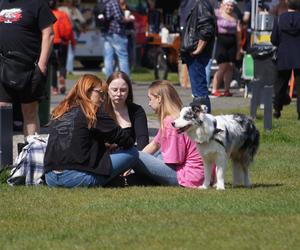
(203, 187)
(220, 187)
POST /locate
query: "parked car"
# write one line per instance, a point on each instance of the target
(89, 48)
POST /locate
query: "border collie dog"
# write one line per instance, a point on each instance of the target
(219, 138)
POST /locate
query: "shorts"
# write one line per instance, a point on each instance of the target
(226, 48)
(34, 91)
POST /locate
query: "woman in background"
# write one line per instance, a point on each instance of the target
(228, 46)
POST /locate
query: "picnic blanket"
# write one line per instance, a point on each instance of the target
(29, 165)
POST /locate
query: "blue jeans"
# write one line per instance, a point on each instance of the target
(115, 44)
(208, 72)
(196, 68)
(154, 167)
(70, 59)
(121, 161)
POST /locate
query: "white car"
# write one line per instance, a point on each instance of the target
(89, 48)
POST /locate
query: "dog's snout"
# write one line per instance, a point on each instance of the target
(173, 124)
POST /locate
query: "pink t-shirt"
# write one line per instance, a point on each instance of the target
(179, 149)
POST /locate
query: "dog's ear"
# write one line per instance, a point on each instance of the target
(204, 108)
(196, 109)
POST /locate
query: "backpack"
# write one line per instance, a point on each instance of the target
(100, 16)
(63, 29)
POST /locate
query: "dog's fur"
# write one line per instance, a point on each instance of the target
(219, 138)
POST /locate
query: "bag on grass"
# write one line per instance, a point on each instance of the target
(16, 70)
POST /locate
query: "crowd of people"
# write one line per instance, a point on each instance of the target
(97, 133)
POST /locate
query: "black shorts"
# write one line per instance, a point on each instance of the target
(226, 48)
(34, 91)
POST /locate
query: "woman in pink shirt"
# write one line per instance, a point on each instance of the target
(178, 162)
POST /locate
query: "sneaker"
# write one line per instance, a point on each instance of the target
(227, 93)
(216, 93)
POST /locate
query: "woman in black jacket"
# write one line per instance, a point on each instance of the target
(124, 111)
(76, 153)
(286, 36)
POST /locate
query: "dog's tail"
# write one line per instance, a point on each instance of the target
(251, 143)
(251, 138)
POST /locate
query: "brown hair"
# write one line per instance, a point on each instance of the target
(129, 99)
(171, 103)
(79, 95)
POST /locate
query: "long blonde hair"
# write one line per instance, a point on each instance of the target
(79, 95)
(171, 103)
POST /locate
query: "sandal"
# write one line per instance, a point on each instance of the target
(217, 93)
(227, 93)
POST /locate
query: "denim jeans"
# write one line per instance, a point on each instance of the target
(70, 59)
(196, 68)
(115, 44)
(121, 161)
(208, 72)
(154, 167)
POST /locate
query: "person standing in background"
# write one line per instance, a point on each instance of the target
(115, 40)
(130, 33)
(286, 37)
(228, 46)
(198, 23)
(78, 22)
(63, 35)
(30, 32)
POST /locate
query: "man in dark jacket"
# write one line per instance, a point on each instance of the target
(198, 25)
(286, 36)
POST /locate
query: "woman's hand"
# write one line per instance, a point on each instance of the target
(111, 147)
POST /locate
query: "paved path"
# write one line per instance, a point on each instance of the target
(140, 97)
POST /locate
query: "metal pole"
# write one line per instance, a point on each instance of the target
(268, 92)
(6, 136)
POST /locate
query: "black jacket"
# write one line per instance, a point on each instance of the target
(139, 130)
(200, 24)
(72, 145)
(286, 36)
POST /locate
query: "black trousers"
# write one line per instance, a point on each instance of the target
(281, 87)
(61, 53)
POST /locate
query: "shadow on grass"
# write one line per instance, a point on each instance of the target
(256, 185)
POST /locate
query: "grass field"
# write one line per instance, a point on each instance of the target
(264, 217)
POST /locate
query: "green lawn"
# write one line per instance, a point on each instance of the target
(264, 217)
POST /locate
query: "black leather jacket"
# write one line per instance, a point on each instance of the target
(200, 24)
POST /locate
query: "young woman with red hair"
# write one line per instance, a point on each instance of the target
(76, 155)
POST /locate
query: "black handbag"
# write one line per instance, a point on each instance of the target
(16, 70)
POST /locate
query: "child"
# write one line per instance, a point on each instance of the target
(179, 162)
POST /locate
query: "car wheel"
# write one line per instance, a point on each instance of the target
(90, 64)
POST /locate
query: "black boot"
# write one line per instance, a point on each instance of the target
(299, 116)
(276, 114)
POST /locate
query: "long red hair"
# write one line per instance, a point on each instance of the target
(79, 95)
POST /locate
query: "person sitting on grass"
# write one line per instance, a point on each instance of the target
(76, 154)
(178, 163)
(124, 111)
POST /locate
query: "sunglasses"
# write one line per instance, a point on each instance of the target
(99, 92)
